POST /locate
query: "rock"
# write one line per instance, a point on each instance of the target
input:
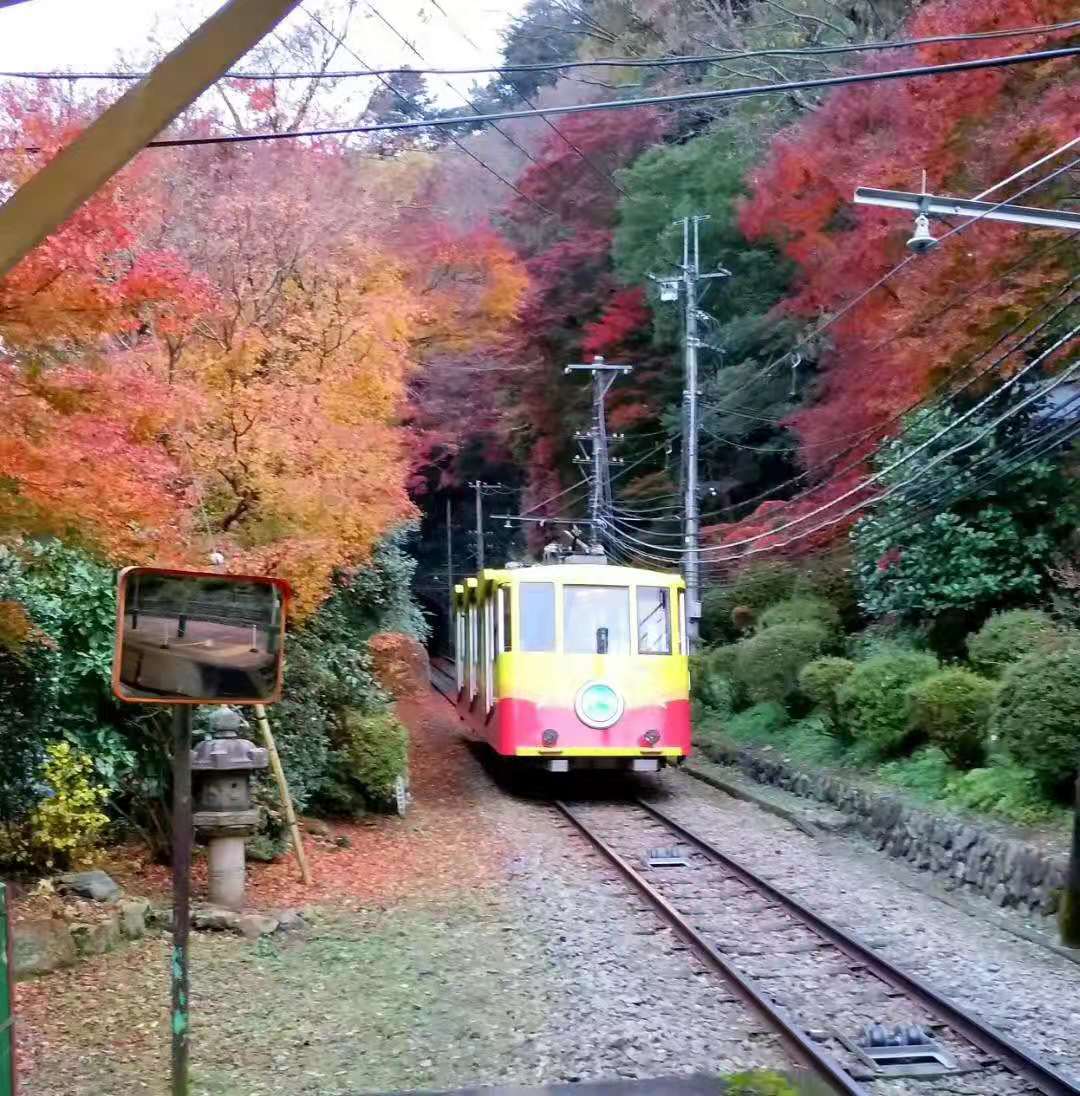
(160, 917)
(96, 938)
(288, 920)
(133, 915)
(42, 946)
(94, 884)
(216, 919)
(343, 841)
(1001, 896)
(253, 925)
(316, 827)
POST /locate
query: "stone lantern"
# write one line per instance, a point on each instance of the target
(224, 813)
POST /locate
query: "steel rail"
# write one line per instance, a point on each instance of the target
(1024, 1064)
(805, 1049)
(438, 670)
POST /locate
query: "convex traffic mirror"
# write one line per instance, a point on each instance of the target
(191, 637)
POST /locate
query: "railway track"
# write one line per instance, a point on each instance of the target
(830, 996)
(442, 678)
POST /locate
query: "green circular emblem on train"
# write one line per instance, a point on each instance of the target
(599, 705)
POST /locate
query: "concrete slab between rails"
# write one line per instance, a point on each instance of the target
(811, 820)
(698, 1085)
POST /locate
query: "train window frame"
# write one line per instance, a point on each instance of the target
(664, 593)
(474, 653)
(684, 635)
(524, 646)
(489, 654)
(459, 648)
(505, 615)
(568, 588)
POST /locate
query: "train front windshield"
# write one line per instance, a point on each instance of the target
(596, 620)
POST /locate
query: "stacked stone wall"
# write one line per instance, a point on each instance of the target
(1009, 872)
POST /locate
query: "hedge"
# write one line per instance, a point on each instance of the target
(952, 709)
(1035, 715)
(1007, 637)
(767, 664)
(873, 701)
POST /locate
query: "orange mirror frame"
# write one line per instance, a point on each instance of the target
(198, 637)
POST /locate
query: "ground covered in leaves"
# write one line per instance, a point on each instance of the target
(406, 934)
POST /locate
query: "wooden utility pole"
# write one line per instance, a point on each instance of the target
(48, 198)
(283, 792)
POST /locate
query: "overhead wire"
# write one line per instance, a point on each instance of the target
(459, 144)
(877, 476)
(559, 66)
(715, 94)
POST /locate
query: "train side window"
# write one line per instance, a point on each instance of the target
(653, 620)
(684, 637)
(537, 612)
(489, 654)
(506, 625)
(459, 648)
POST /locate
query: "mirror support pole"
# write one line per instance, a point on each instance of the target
(183, 833)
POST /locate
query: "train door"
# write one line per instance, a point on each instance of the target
(459, 647)
(474, 653)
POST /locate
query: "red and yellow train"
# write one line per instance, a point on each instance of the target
(575, 665)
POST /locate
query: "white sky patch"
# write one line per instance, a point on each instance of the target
(91, 35)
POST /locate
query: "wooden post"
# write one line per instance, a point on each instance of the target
(283, 790)
(183, 837)
(1069, 916)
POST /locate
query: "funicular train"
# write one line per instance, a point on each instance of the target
(577, 664)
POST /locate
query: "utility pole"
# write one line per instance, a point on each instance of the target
(686, 286)
(450, 554)
(604, 375)
(479, 487)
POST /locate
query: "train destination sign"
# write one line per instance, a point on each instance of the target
(192, 637)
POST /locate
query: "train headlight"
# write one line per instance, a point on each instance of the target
(598, 705)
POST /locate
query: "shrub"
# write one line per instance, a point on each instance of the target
(711, 679)
(371, 751)
(952, 709)
(730, 608)
(820, 681)
(1009, 636)
(64, 829)
(1035, 715)
(759, 723)
(1005, 789)
(873, 702)
(767, 665)
(832, 578)
(801, 610)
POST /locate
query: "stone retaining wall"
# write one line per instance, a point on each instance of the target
(1009, 872)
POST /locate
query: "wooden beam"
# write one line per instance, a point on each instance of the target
(43, 203)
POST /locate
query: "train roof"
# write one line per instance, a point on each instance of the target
(596, 574)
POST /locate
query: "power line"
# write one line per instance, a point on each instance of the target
(456, 141)
(595, 168)
(558, 66)
(921, 447)
(465, 99)
(623, 104)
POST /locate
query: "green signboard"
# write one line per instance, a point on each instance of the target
(7, 1020)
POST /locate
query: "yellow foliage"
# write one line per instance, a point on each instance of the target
(64, 829)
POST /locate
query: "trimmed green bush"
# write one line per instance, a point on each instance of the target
(760, 585)
(802, 609)
(1035, 715)
(717, 603)
(1007, 637)
(712, 681)
(832, 578)
(952, 709)
(371, 750)
(758, 723)
(821, 680)
(767, 665)
(873, 701)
